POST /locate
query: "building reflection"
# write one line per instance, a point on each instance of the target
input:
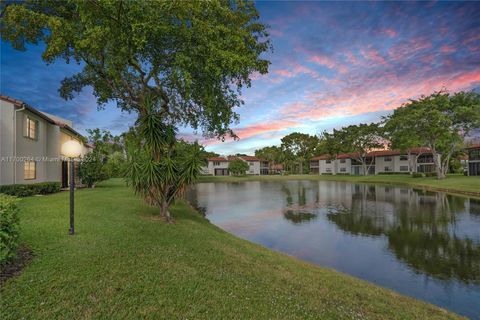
(420, 227)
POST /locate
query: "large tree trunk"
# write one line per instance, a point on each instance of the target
(164, 211)
(438, 165)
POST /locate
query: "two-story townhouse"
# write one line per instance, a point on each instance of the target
(378, 162)
(218, 166)
(474, 160)
(30, 144)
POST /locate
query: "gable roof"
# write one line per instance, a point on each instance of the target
(21, 104)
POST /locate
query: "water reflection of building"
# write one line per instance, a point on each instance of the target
(420, 226)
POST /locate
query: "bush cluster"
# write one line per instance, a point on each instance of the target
(430, 174)
(26, 190)
(417, 175)
(9, 227)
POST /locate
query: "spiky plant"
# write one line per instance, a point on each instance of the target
(154, 169)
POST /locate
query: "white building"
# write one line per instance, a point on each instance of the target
(30, 144)
(218, 166)
(378, 162)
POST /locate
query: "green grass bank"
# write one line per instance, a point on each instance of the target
(124, 264)
(453, 183)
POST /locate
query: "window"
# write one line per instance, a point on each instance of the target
(328, 170)
(328, 161)
(474, 154)
(403, 158)
(388, 159)
(343, 169)
(30, 170)
(342, 160)
(251, 163)
(31, 129)
(403, 168)
(216, 163)
(387, 169)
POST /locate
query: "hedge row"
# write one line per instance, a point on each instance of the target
(9, 227)
(392, 172)
(26, 190)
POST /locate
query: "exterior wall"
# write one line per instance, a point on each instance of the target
(7, 115)
(253, 167)
(327, 168)
(30, 148)
(221, 165)
(344, 167)
(45, 150)
(474, 162)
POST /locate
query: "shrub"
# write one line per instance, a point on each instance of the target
(417, 175)
(238, 167)
(9, 227)
(27, 190)
(91, 169)
(430, 174)
(326, 173)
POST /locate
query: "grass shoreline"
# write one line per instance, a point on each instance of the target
(124, 264)
(454, 184)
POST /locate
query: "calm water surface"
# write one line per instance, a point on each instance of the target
(422, 244)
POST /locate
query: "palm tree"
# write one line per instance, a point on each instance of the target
(154, 169)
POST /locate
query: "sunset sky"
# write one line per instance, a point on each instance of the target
(333, 64)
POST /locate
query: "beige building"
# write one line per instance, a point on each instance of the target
(30, 144)
(378, 162)
(218, 166)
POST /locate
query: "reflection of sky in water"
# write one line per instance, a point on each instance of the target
(422, 244)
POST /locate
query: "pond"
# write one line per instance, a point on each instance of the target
(419, 243)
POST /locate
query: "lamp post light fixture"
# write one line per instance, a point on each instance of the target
(72, 149)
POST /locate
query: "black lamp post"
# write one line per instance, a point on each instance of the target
(72, 149)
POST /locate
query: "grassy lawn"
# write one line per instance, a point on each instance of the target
(122, 264)
(453, 183)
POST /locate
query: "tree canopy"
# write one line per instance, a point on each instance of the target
(189, 58)
(237, 167)
(299, 147)
(439, 121)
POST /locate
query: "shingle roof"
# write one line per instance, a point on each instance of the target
(249, 158)
(474, 146)
(219, 159)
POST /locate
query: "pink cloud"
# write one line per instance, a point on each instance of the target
(261, 128)
(351, 101)
(404, 50)
(373, 55)
(327, 62)
(447, 49)
(389, 32)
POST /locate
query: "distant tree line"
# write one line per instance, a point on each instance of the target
(440, 121)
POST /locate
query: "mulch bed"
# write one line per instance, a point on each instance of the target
(15, 267)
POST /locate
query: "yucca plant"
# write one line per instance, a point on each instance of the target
(154, 169)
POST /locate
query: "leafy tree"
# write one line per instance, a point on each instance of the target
(359, 140)
(397, 130)
(189, 58)
(272, 154)
(115, 165)
(329, 144)
(238, 167)
(171, 62)
(300, 146)
(91, 169)
(439, 121)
